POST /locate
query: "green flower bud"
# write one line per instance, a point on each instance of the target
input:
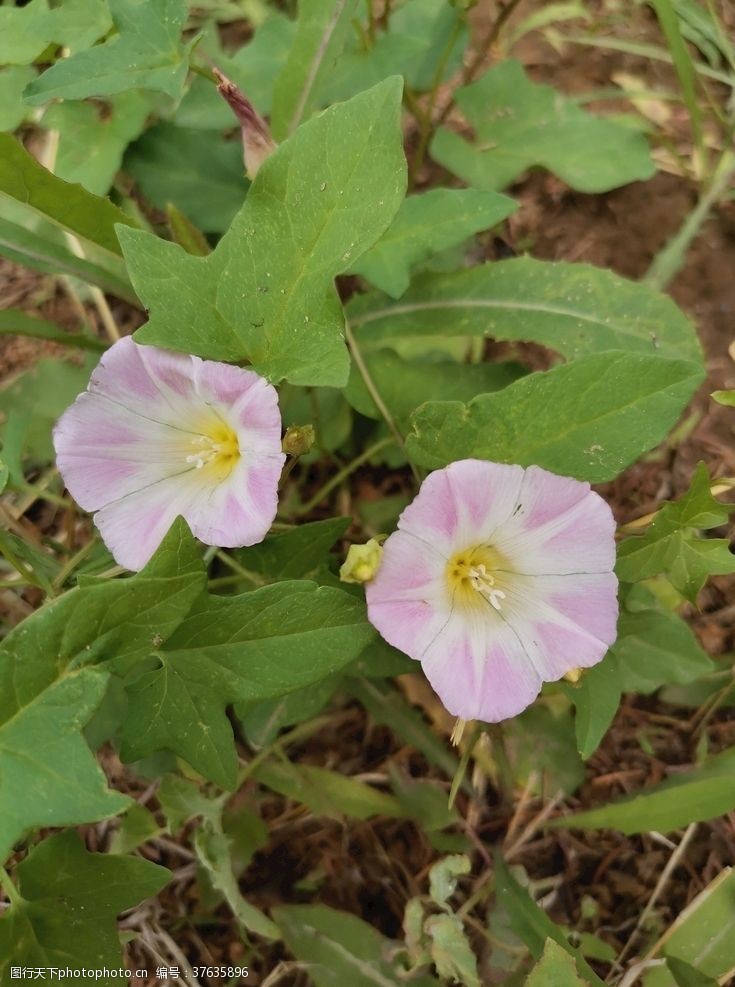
(361, 563)
(298, 440)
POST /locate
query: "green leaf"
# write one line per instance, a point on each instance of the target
(532, 924)
(671, 543)
(450, 950)
(444, 874)
(42, 253)
(70, 206)
(556, 968)
(13, 80)
(404, 385)
(37, 398)
(15, 322)
(327, 793)
(702, 937)
(93, 137)
(542, 741)
(608, 410)
(387, 705)
(25, 32)
(693, 796)
(294, 554)
(424, 225)
(596, 697)
(266, 292)
(137, 826)
(656, 647)
(185, 233)
(725, 397)
(30, 562)
(51, 681)
(213, 850)
(518, 124)
(423, 800)
(320, 36)
(424, 41)
(340, 948)
(256, 646)
(146, 53)
(182, 800)
(263, 721)
(253, 68)
(574, 309)
(77, 24)
(203, 178)
(68, 906)
(686, 975)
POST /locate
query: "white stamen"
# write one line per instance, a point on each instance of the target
(212, 450)
(483, 582)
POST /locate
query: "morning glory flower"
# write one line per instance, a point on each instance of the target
(160, 434)
(498, 579)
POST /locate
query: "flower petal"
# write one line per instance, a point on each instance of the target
(560, 526)
(462, 504)
(241, 509)
(134, 447)
(480, 670)
(134, 526)
(105, 451)
(563, 622)
(407, 600)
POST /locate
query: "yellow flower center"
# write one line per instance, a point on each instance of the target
(473, 577)
(216, 450)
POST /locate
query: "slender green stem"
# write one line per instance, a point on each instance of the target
(204, 71)
(73, 562)
(376, 395)
(223, 581)
(300, 732)
(241, 571)
(346, 471)
(655, 52)
(428, 128)
(481, 52)
(9, 888)
(669, 260)
(464, 761)
(21, 567)
(684, 68)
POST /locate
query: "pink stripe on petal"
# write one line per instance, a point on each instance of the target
(481, 672)
(121, 374)
(225, 384)
(580, 539)
(134, 526)
(557, 639)
(588, 601)
(544, 496)
(409, 570)
(432, 515)
(485, 494)
(565, 648)
(257, 418)
(229, 515)
(409, 625)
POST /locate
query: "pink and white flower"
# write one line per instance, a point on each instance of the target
(498, 579)
(160, 434)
